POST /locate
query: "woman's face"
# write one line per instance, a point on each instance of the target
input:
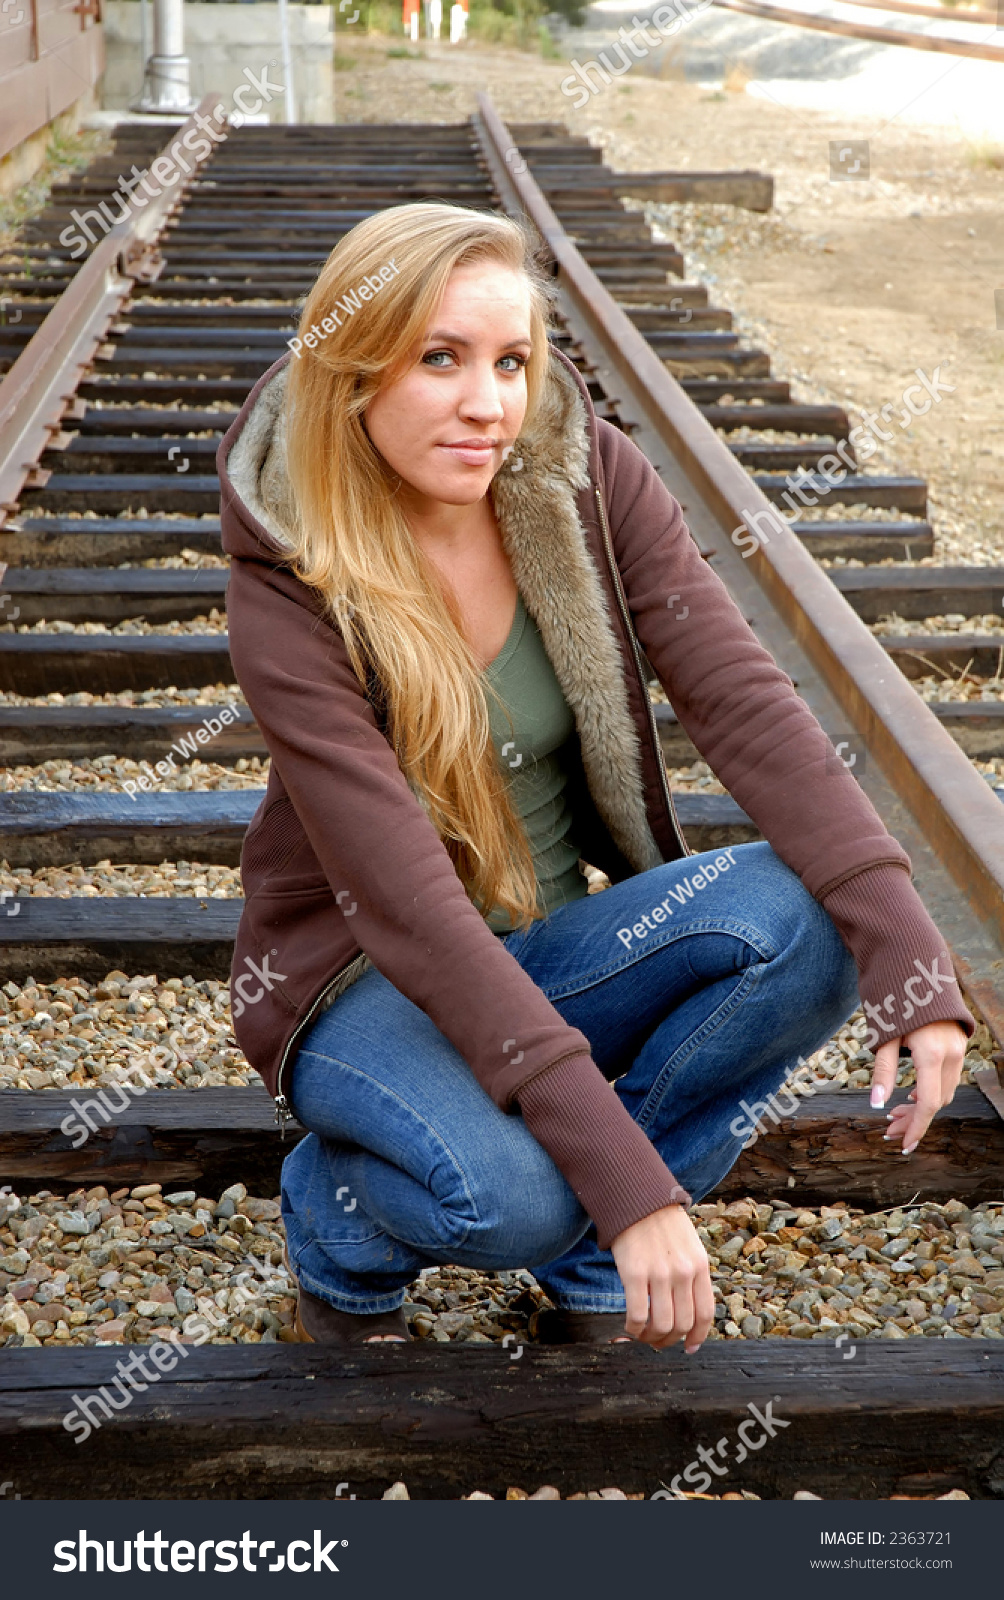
(443, 426)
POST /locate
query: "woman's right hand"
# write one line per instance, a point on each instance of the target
(664, 1269)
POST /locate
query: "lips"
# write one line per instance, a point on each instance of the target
(475, 453)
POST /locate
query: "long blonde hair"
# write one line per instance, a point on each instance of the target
(352, 542)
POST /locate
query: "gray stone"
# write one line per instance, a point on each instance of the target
(75, 1222)
(451, 1322)
(184, 1197)
(895, 1248)
(839, 1302)
(185, 1300)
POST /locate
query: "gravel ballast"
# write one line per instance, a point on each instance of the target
(131, 1266)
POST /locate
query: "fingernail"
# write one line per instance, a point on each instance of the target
(878, 1096)
(908, 1149)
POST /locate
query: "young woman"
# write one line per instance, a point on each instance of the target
(444, 571)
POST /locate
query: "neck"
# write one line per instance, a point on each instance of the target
(439, 526)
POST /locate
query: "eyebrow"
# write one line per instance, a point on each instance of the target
(458, 338)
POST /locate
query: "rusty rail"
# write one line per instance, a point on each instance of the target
(41, 384)
(866, 30)
(956, 814)
(907, 8)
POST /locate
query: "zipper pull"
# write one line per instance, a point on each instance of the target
(282, 1114)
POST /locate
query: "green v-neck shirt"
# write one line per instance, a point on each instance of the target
(535, 750)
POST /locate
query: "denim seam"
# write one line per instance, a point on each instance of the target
(435, 1137)
(738, 930)
(661, 1083)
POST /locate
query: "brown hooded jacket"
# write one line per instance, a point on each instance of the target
(342, 867)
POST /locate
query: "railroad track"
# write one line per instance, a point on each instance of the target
(123, 392)
(980, 48)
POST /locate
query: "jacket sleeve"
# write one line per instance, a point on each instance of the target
(413, 916)
(751, 727)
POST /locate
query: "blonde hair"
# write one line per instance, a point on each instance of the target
(353, 545)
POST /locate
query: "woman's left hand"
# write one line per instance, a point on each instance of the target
(938, 1051)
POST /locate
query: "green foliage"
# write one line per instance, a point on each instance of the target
(548, 49)
(375, 16)
(65, 152)
(517, 23)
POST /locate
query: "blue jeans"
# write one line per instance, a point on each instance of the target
(410, 1163)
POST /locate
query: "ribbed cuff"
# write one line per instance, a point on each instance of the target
(615, 1170)
(905, 973)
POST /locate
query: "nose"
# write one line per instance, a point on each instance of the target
(480, 400)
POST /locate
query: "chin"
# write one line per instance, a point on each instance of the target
(455, 489)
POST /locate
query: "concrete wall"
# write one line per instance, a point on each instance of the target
(221, 41)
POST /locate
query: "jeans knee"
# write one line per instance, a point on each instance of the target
(528, 1220)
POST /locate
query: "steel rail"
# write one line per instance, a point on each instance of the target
(866, 30)
(906, 8)
(41, 384)
(957, 815)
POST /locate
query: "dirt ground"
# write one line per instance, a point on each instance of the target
(850, 285)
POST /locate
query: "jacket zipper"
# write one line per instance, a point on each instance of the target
(283, 1112)
(636, 654)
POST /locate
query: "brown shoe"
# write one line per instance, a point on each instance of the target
(319, 1323)
(558, 1325)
